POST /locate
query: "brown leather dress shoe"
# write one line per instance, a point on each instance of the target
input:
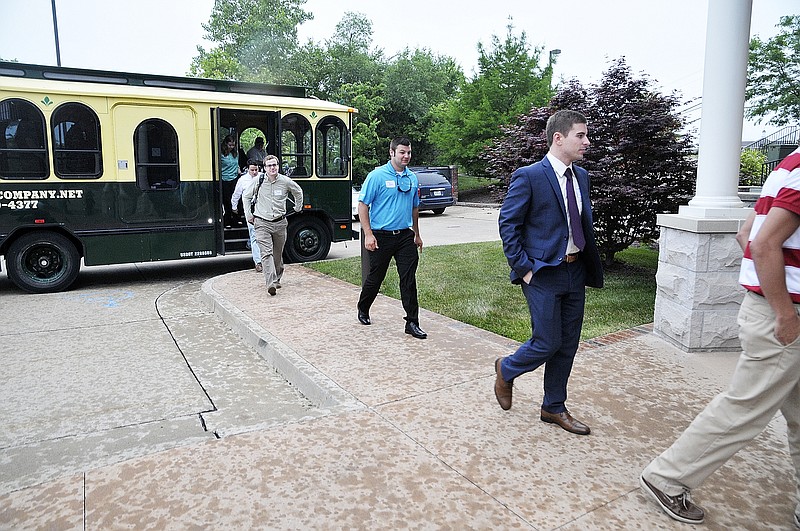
(502, 389)
(565, 420)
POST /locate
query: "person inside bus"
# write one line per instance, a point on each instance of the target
(244, 182)
(229, 170)
(269, 194)
(242, 161)
(257, 152)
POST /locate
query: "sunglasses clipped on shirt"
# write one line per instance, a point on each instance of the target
(403, 183)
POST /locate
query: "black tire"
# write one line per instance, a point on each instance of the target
(42, 262)
(307, 240)
(437, 211)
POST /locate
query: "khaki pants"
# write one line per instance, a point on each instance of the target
(765, 381)
(271, 238)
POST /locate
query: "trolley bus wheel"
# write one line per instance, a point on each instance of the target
(307, 240)
(42, 262)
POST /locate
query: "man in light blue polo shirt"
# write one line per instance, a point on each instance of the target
(388, 209)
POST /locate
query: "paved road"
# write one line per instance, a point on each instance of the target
(129, 362)
(458, 224)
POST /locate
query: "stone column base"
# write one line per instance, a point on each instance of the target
(698, 292)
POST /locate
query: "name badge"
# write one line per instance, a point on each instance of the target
(277, 193)
(390, 184)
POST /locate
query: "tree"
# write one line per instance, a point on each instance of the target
(256, 40)
(416, 82)
(509, 82)
(217, 64)
(349, 71)
(639, 161)
(393, 97)
(525, 142)
(750, 165)
(773, 73)
(346, 58)
(369, 150)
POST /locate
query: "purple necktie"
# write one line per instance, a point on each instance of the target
(574, 216)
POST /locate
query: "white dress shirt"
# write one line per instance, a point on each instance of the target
(559, 167)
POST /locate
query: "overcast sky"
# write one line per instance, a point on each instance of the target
(663, 38)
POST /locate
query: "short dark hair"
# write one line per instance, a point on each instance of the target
(562, 122)
(399, 141)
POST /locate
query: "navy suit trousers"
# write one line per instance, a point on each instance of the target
(556, 297)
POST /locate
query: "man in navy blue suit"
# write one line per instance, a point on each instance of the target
(548, 239)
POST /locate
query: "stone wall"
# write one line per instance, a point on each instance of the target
(698, 293)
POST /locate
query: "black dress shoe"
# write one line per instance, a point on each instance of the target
(415, 330)
(363, 318)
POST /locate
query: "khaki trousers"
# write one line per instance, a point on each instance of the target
(271, 237)
(765, 381)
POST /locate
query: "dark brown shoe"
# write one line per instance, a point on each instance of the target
(679, 507)
(502, 389)
(565, 420)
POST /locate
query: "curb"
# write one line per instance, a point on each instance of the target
(478, 205)
(309, 381)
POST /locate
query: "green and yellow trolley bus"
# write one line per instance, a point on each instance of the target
(111, 167)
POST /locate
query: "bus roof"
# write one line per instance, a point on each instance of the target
(60, 73)
(119, 84)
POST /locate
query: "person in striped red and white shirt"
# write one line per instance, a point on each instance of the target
(767, 376)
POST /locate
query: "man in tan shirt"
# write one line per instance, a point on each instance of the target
(265, 208)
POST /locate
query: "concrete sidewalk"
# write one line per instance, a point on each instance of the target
(407, 434)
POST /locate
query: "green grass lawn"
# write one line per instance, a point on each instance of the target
(469, 182)
(469, 282)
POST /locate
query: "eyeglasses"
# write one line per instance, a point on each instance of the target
(272, 165)
(404, 183)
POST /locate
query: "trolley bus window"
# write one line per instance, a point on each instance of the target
(331, 143)
(23, 149)
(155, 148)
(296, 145)
(76, 142)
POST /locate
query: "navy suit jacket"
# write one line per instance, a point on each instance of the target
(533, 223)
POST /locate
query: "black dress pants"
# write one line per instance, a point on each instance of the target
(228, 187)
(402, 248)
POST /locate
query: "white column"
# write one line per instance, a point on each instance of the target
(724, 80)
(698, 294)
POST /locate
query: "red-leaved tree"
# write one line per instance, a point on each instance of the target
(640, 161)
